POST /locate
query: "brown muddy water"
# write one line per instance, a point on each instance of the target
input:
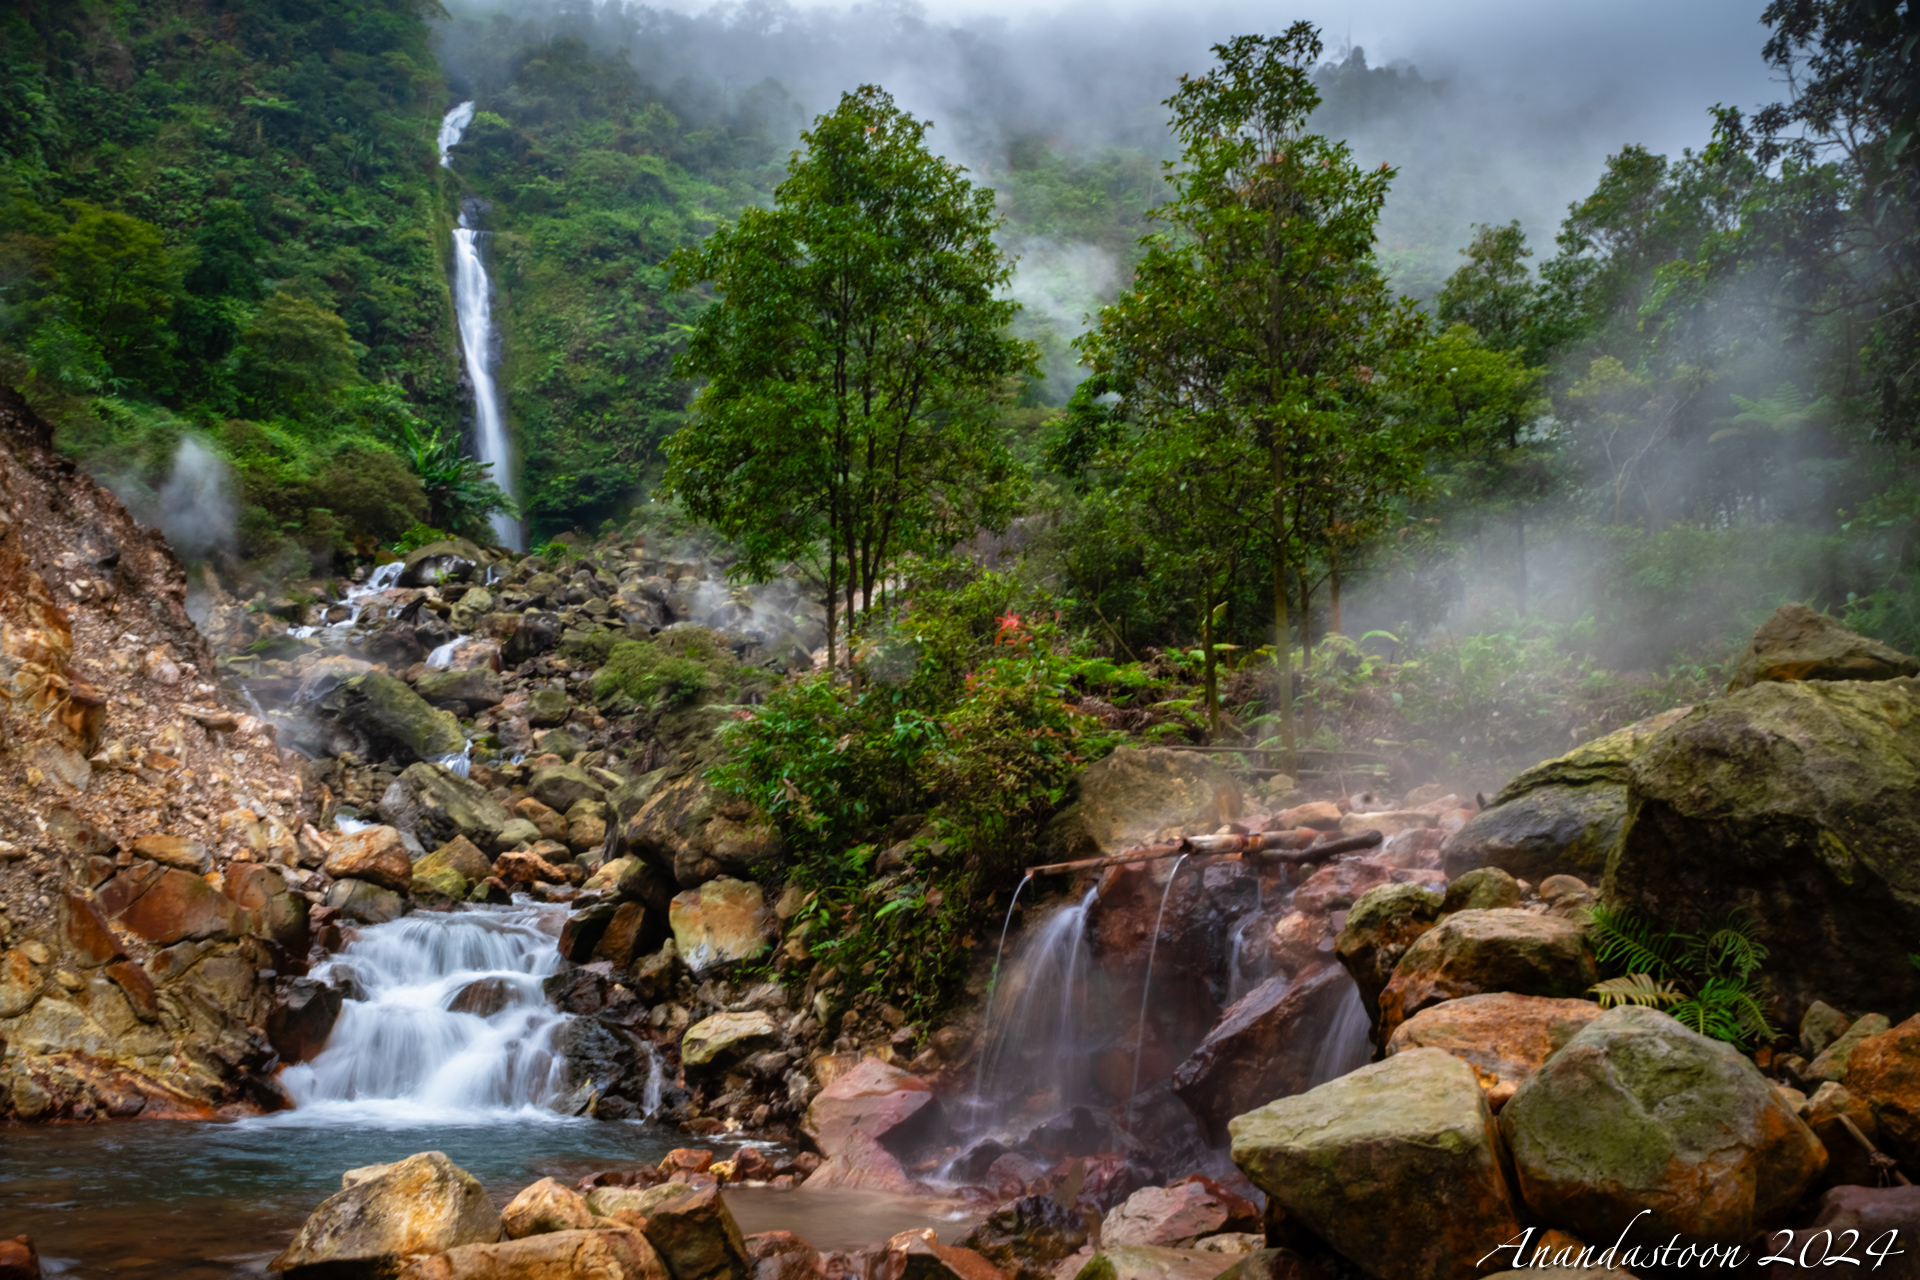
(179, 1200)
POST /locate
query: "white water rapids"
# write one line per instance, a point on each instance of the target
(399, 1054)
(473, 307)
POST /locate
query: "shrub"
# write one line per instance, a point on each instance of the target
(646, 672)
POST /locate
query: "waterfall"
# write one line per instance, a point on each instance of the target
(1034, 1051)
(446, 1021)
(473, 307)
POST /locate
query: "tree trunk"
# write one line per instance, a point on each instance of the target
(833, 586)
(1282, 641)
(1306, 620)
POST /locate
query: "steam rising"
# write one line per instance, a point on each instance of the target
(196, 505)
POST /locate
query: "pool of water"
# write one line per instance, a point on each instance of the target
(199, 1201)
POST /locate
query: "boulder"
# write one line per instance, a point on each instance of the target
(1637, 1112)
(438, 805)
(299, 1024)
(561, 786)
(697, 1238)
(1834, 1113)
(877, 1098)
(1798, 644)
(1482, 889)
(423, 1204)
(547, 708)
(1150, 1262)
(582, 931)
(1505, 1035)
(1565, 815)
(1395, 1165)
(1266, 1045)
(1135, 794)
(603, 1253)
(547, 1205)
(641, 1202)
(448, 560)
(278, 914)
(1380, 927)
(1799, 803)
(375, 854)
(1028, 1238)
(688, 826)
(174, 851)
(465, 693)
(524, 867)
(364, 902)
(722, 921)
(921, 1256)
(533, 634)
(459, 855)
(1471, 952)
(781, 1255)
(90, 943)
(1176, 1216)
(862, 1165)
(396, 722)
(1831, 1062)
(19, 1260)
(633, 880)
(631, 932)
(1820, 1026)
(176, 906)
(727, 1037)
(1884, 1072)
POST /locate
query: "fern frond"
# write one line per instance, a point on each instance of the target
(1624, 938)
(1727, 945)
(1636, 988)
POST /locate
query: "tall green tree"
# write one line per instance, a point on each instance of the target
(1260, 320)
(855, 359)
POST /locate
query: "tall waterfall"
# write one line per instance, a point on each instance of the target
(447, 1019)
(473, 306)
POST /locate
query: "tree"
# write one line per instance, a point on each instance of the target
(1493, 293)
(854, 360)
(1260, 321)
(121, 281)
(295, 355)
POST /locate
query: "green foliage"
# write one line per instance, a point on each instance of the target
(646, 673)
(1709, 981)
(458, 487)
(966, 723)
(855, 360)
(295, 357)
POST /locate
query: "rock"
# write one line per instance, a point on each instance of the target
(19, 1260)
(635, 880)
(545, 1206)
(628, 935)
(697, 1238)
(90, 943)
(560, 742)
(365, 902)
(1884, 1072)
(1321, 815)
(727, 1037)
(1134, 794)
(1886, 1218)
(1150, 1262)
(699, 832)
(533, 635)
(517, 834)
(1339, 886)
(459, 855)
(561, 786)
(1639, 1113)
(1482, 889)
(1831, 1063)
(277, 913)
(175, 906)
(582, 931)
(722, 921)
(423, 1204)
(524, 867)
(862, 1165)
(1176, 1216)
(1796, 802)
(1820, 1026)
(1395, 1165)
(469, 609)
(1471, 952)
(547, 708)
(449, 560)
(1563, 815)
(641, 1202)
(781, 1255)
(1798, 644)
(374, 854)
(925, 1258)
(174, 851)
(1265, 1046)
(551, 825)
(1388, 822)
(877, 1098)
(1502, 1034)
(1028, 1238)
(1279, 1264)
(483, 997)
(438, 805)
(1380, 927)
(299, 1024)
(604, 1253)
(395, 721)
(465, 693)
(1829, 1113)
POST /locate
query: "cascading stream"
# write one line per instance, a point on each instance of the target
(473, 309)
(400, 1052)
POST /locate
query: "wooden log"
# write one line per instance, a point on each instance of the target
(1268, 846)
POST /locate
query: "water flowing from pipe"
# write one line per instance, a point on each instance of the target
(1146, 989)
(473, 308)
(993, 986)
(1034, 1050)
(400, 1052)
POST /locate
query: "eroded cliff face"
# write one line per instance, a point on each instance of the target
(144, 819)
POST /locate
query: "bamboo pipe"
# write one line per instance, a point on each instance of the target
(1271, 846)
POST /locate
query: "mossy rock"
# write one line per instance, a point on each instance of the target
(396, 721)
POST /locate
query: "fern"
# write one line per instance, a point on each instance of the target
(1709, 981)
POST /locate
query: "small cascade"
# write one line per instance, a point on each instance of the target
(1146, 987)
(442, 656)
(1346, 1046)
(447, 1021)
(1035, 1058)
(473, 308)
(383, 578)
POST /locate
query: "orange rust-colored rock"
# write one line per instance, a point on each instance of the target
(1472, 952)
(1503, 1034)
(374, 854)
(1884, 1072)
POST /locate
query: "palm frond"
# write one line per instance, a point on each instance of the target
(1637, 988)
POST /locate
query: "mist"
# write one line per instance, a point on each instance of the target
(196, 504)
